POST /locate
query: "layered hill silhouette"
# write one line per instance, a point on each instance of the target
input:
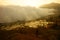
(56, 16)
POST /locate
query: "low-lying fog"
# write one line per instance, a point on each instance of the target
(13, 13)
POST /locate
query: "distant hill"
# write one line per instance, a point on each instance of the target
(56, 16)
(51, 5)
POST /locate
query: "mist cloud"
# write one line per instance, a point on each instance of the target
(13, 13)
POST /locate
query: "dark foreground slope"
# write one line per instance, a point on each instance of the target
(30, 34)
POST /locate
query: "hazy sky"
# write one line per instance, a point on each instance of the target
(34, 3)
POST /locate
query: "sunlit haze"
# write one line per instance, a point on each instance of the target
(33, 3)
(11, 12)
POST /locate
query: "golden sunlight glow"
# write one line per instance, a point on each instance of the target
(33, 3)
